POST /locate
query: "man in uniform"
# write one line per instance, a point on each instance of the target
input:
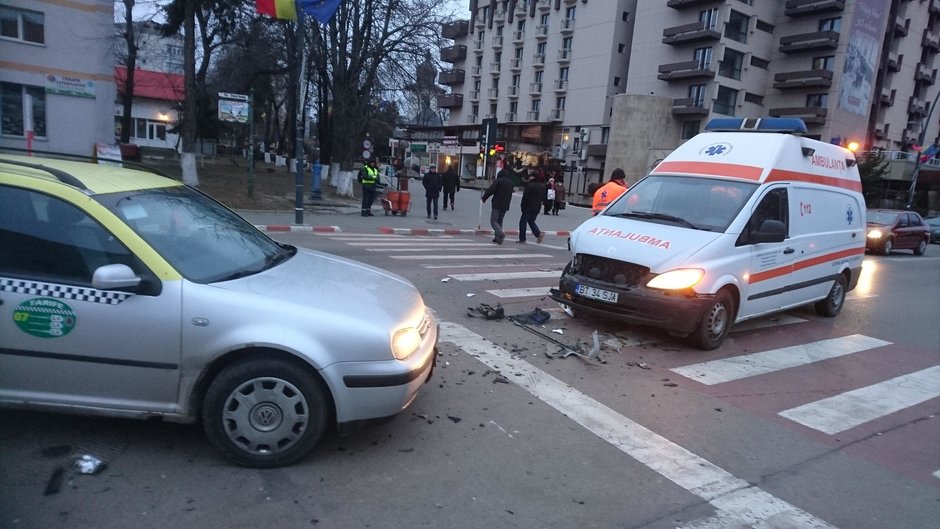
(609, 191)
(369, 178)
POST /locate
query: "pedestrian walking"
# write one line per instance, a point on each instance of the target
(533, 193)
(369, 178)
(559, 202)
(549, 201)
(433, 181)
(501, 191)
(451, 185)
(609, 191)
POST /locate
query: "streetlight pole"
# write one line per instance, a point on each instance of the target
(920, 141)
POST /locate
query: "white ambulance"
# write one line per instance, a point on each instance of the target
(745, 219)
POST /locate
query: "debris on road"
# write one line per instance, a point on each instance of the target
(486, 311)
(536, 317)
(88, 464)
(55, 482)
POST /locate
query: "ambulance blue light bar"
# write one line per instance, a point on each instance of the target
(786, 125)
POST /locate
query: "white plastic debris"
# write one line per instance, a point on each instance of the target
(558, 331)
(87, 464)
(567, 310)
(470, 295)
(445, 280)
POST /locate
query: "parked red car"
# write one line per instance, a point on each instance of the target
(893, 229)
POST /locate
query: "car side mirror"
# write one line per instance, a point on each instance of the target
(115, 277)
(769, 231)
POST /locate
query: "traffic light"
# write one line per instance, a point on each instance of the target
(498, 147)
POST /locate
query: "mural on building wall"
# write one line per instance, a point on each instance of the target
(861, 58)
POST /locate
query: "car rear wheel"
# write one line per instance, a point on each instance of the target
(888, 246)
(921, 248)
(715, 322)
(264, 413)
(831, 306)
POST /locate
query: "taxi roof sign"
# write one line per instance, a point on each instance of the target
(786, 125)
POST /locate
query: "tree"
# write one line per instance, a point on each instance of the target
(872, 168)
(130, 61)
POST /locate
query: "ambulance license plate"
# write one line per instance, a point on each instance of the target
(596, 293)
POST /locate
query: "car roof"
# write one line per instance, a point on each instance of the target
(86, 176)
(885, 210)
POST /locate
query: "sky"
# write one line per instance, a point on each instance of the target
(144, 9)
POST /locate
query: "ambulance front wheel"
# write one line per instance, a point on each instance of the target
(831, 306)
(715, 322)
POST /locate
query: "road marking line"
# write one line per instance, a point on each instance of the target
(731, 496)
(435, 248)
(535, 274)
(434, 244)
(744, 366)
(474, 256)
(937, 474)
(763, 323)
(852, 408)
(520, 292)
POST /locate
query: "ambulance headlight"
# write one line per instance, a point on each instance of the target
(874, 234)
(677, 279)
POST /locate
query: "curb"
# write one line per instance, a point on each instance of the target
(454, 231)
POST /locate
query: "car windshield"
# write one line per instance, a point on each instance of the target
(708, 204)
(882, 217)
(200, 238)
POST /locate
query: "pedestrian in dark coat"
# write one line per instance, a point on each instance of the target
(501, 191)
(532, 196)
(451, 185)
(433, 181)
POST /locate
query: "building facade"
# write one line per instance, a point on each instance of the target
(617, 83)
(57, 88)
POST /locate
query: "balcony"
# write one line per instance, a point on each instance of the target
(694, 32)
(473, 95)
(810, 115)
(479, 47)
(925, 73)
(879, 131)
(452, 77)
(472, 118)
(515, 64)
(564, 55)
(450, 100)
(481, 23)
(558, 114)
(532, 115)
(894, 62)
(541, 32)
(887, 96)
(917, 107)
(510, 116)
(818, 40)
(934, 6)
(494, 67)
(493, 93)
(518, 37)
(544, 5)
(476, 71)
(901, 26)
(802, 8)
(683, 70)
(561, 85)
(535, 88)
(455, 30)
(538, 60)
(497, 42)
(499, 16)
(682, 4)
(931, 41)
(687, 106)
(803, 79)
(455, 53)
(489, 116)
(512, 92)
(567, 26)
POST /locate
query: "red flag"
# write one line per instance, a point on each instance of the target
(285, 9)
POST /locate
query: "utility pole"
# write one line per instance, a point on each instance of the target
(920, 141)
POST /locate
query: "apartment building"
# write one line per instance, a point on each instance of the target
(641, 76)
(57, 87)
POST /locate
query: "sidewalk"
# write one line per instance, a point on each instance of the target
(333, 213)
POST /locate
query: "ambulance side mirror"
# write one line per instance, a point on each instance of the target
(769, 231)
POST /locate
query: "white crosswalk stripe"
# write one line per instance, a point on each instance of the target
(520, 292)
(852, 408)
(500, 276)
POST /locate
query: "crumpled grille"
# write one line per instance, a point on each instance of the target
(610, 271)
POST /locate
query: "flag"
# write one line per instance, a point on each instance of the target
(277, 8)
(322, 10)
(929, 153)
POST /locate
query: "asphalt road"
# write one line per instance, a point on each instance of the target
(651, 434)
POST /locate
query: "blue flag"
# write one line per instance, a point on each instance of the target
(322, 10)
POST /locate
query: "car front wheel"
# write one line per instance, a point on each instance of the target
(921, 248)
(832, 304)
(888, 246)
(715, 322)
(264, 413)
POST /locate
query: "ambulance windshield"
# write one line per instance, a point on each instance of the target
(708, 204)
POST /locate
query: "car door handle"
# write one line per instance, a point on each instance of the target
(789, 251)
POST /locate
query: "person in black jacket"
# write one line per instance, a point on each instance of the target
(433, 182)
(532, 196)
(501, 191)
(451, 185)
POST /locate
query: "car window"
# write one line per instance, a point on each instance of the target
(882, 217)
(45, 238)
(902, 220)
(915, 219)
(200, 238)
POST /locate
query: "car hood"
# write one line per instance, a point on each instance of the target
(661, 247)
(325, 282)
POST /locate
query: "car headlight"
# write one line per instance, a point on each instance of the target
(405, 341)
(677, 279)
(874, 234)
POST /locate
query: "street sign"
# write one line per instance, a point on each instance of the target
(237, 97)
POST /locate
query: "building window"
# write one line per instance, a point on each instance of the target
(616, 81)
(753, 98)
(536, 103)
(817, 100)
(625, 16)
(824, 63)
(830, 24)
(543, 20)
(703, 58)
(540, 49)
(563, 73)
(621, 48)
(697, 95)
(515, 80)
(690, 129)
(569, 13)
(514, 107)
(731, 64)
(538, 76)
(736, 28)
(20, 24)
(757, 62)
(709, 17)
(13, 109)
(726, 101)
(566, 43)
(560, 103)
(766, 27)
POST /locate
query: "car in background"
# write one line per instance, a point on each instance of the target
(127, 294)
(934, 224)
(895, 229)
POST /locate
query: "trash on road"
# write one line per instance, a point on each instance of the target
(445, 280)
(486, 311)
(536, 317)
(88, 464)
(558, 331)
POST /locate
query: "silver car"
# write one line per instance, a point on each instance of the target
(127, 294)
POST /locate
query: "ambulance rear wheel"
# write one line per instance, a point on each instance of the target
(715, 322)
(831, 306)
